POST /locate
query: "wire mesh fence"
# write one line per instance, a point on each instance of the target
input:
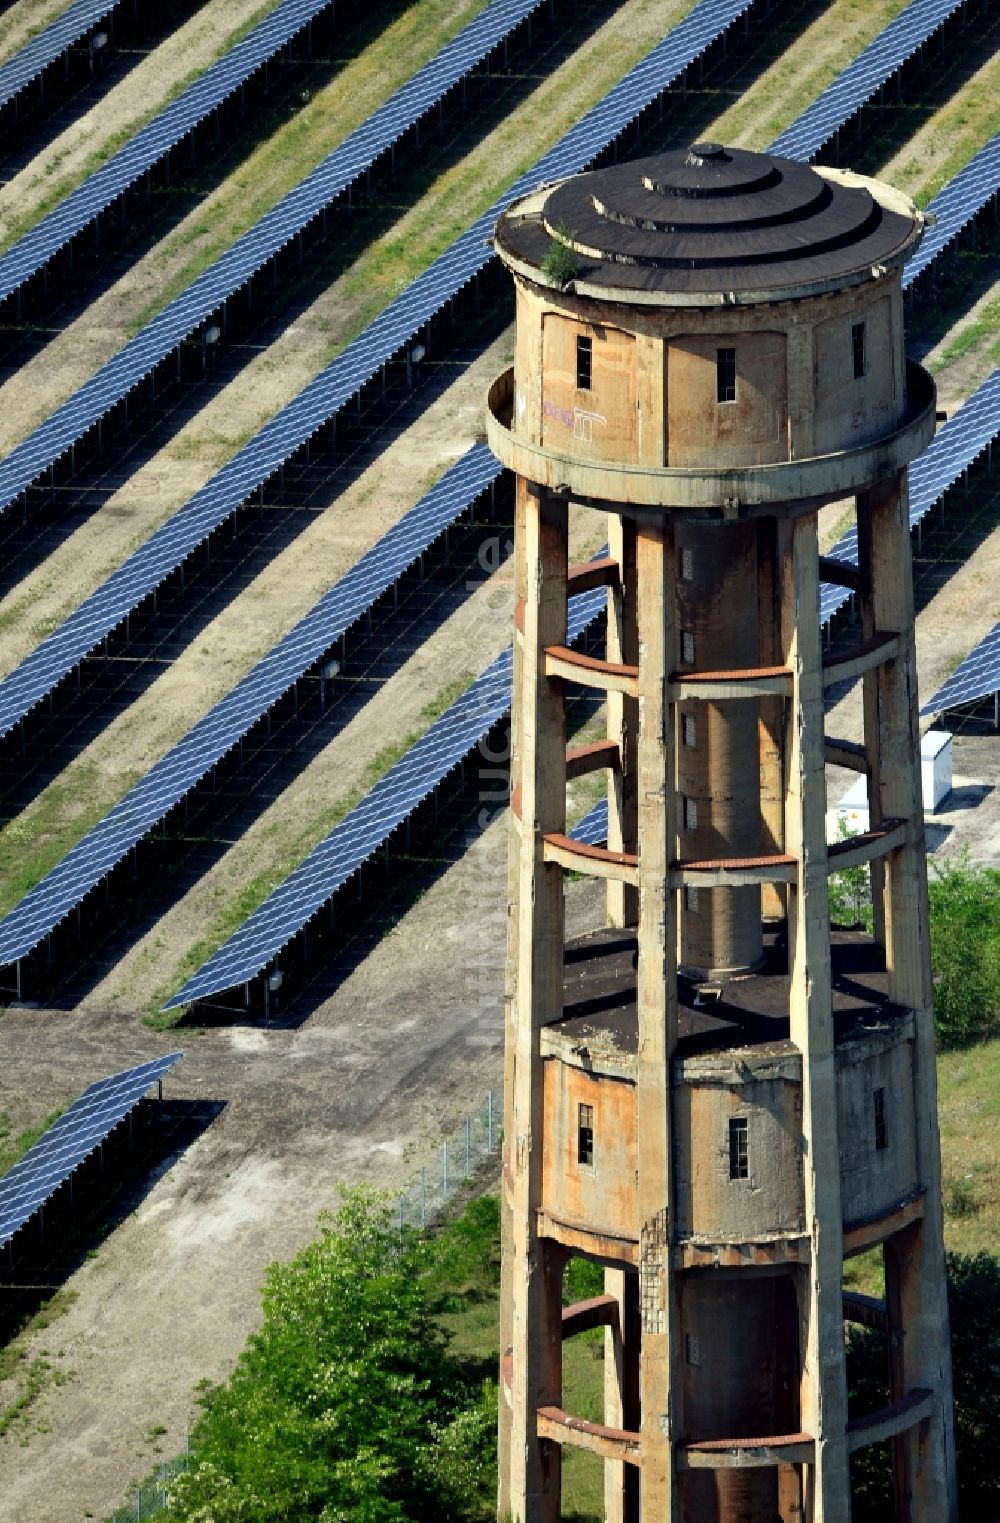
(458, 1158)
(151, 1494)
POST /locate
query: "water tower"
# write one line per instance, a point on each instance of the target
(714, 1095)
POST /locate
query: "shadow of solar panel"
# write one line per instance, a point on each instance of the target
(857, 84)
(394, 328)
(222, 727)
(370, 824)
(30, 1182)
(18, 72)
(954, 447)
(955, 206)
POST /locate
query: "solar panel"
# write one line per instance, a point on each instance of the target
(857, 84)
(393, 329)
(49, 1162)
(18, 72)
(953, 448)
(978, 677)
(166, 783)
(593, 828)
(370, 824)
(954, 207)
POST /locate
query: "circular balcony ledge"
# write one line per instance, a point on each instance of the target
(819, 477)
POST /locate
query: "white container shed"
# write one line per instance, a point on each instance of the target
(935, 778)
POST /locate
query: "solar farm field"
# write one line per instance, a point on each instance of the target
(254, 567)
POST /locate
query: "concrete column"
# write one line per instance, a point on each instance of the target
(657, 1018)
(623, 718)
(869, 688)
(823, 1396)
(916, 1284)
(531, 1294)
(769, 718)
(621, 1393)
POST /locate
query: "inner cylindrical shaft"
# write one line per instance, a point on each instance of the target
(718, 751)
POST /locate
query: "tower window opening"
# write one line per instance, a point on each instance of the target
(691, 899)
(690, 814)
(692, 1348)
(881, 1121)
(585, 1135)
(690, 732)
(687, 645)
(725, 375)
(858, 350)
(584, 362)
(687, 564)
(739, 1147)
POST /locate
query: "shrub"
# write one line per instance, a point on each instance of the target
(560, 263)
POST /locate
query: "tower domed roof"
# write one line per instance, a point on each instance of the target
(709, 223)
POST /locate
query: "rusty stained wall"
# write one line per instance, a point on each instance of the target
(709, 1204)
(601, 1195)
(707, 1092)
(604, 418)
(753, 429)
(653, 395)
(874, 1179)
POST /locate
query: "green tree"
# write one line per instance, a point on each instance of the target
(965, 950)
(974, 1307)
(345, 1407)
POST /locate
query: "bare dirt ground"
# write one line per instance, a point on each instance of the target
(406, 1047)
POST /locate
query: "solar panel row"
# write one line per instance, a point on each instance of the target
(222, 728)
(368, 826)
(593, 828)
(18, 72)
(881, 59)
(233, 269)
(139, 576)
(978, 677)
(153, 142)
(395, 326)
(49, 1162)
(955, 206)
(146, 804)
(954, 447)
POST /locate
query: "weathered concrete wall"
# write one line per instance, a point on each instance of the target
(710, 1204)
(874, 1178)
(708, 1092)
(653, 397)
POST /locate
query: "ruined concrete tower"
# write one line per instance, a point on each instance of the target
(714, 1096)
